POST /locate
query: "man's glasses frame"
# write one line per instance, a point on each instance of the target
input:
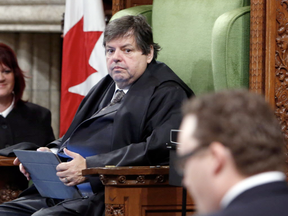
(180, 161)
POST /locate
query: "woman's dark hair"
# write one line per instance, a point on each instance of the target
(8, 58)
(134, 25)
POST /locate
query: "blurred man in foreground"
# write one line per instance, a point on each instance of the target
(232, 155)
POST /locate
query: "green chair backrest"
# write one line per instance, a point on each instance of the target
(184, 31)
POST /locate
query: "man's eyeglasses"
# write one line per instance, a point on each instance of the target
(180, 161)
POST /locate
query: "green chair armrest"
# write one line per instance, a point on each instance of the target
(145, 10)
(230, 47)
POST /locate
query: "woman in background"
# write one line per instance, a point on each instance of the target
(20, 121)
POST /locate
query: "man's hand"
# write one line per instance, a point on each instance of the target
(22, 168)
(44, 149)
(70, 173)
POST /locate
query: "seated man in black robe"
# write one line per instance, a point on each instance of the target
(133, 130)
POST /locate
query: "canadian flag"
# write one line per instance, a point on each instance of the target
(83, 60)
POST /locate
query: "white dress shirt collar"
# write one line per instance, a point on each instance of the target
(126, 89)
(8, 110)
(250, 182)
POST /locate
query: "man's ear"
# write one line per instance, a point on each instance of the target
(220, 157)
(150, 55)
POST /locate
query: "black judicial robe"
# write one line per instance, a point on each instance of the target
(137, 129)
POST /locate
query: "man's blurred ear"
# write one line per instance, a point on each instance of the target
(220, 156)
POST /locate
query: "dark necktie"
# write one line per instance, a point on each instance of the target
(117, 97)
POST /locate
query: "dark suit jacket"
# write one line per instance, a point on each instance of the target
(27, 122)
(141, 126)
(266, 200)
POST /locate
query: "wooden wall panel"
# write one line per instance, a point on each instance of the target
(281, 63)
(269, 55)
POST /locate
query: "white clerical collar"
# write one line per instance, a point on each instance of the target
(8, 110)
(251, 182)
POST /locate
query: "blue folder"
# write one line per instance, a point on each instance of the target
(42, 169)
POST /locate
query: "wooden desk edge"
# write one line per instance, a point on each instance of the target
(6, 161)
(128, 170)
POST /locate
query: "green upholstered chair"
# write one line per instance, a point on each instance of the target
(206, 42)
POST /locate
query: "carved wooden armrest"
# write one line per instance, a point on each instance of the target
(130, 175)
(6, 161)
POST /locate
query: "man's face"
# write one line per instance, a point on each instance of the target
(196, 172)
(125, 60)
(187, 144)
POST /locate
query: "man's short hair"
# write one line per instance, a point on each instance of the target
(245, 124)
(134, 25)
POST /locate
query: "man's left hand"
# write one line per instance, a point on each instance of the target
(70, 173)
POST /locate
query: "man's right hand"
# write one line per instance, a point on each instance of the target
(22, 168)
